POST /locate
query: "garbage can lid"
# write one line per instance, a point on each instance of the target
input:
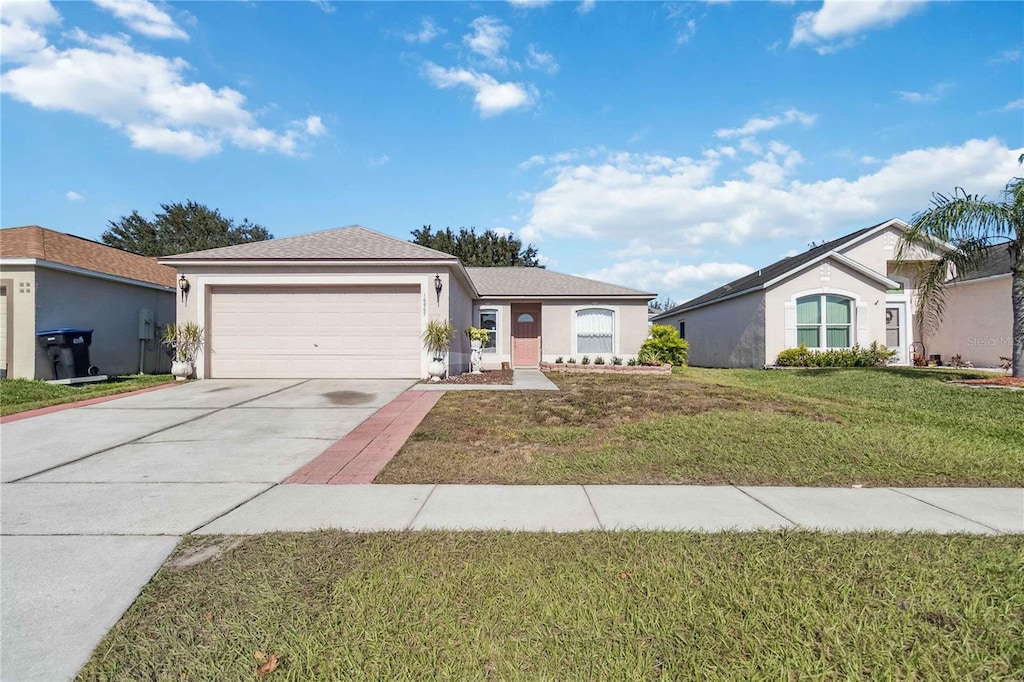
(64, 330)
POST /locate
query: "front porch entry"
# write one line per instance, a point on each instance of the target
(525, 335)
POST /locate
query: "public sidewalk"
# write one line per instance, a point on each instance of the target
(567, 508)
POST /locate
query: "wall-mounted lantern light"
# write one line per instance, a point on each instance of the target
(183, 287)
(437, 287)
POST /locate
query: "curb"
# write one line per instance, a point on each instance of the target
(28, 414)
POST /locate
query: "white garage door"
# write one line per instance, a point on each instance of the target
(293, 332)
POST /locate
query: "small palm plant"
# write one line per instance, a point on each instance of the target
(438, 337)
(184, 340)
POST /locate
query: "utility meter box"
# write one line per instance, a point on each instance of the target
(147, 325)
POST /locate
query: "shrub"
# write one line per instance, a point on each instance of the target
(1005, 363)
(558, 360)
(958, 362)
(598, 360)
(664, 345)
(586, 360)
(631, 362)
(616, 360)
(572, 361)
(874, 355)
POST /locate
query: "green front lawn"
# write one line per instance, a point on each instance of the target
(822, 427)
(608, 606)
(19, 395)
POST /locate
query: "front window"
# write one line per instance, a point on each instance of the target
(489, 321)
(595, 331)
(824, 321)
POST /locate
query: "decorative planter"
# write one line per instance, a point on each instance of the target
(436, 369)
(181, 370)
(476, 358)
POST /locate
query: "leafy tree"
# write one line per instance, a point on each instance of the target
(974, 226)
(665, 303)
(488, 249)
(180, 228)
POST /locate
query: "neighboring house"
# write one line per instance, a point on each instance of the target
(977, 321)
(52, 280)
(846, 291)
(351, 302)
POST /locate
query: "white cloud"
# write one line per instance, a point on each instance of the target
(759, 125)
(74, 196)
(932, 94)
(22, 28)
(1015, 105)
(684, 34)
(529, 4)
(492, 97)
(671, 277)
(379, 161)
(314, 125)
(324, 5)
(682, 202)
(1006, 56)
(541, 61)
(145, 96)
(586, 6)
(144, 17)
(845, 20)
(428, 31)
(488, 39)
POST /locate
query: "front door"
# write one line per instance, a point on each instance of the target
(525, 336)
(896, 332)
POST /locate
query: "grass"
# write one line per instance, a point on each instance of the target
(823, 427)
(636, 605)
(19, 395)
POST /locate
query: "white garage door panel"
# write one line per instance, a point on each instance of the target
(281, 332)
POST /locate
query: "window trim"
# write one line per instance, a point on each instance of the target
(496, 310)
(823, 324)
(616, 335)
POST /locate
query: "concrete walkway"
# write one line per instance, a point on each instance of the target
(566, 508)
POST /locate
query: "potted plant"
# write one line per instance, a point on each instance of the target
(184, 342)
(437, 339)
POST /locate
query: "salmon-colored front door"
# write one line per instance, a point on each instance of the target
(525, 337)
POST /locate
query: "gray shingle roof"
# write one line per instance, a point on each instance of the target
(342, 243)
(759, 278)
(520, 281)
(996, 262)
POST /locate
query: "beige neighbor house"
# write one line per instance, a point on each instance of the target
(51, 280)
(847, 291)
(351, 302)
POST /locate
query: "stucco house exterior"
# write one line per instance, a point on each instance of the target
(51, 280)
(352, 302)
(846, 291)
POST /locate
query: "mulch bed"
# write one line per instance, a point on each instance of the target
(494, 376)
(994, 381)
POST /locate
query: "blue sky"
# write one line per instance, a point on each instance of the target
(665, 146)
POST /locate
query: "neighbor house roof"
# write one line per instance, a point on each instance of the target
(519, 282)
(39, 243)
(995, 263)
(343, 243)
(759, 279)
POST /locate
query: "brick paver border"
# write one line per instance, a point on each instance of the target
(365, 451)
(17, 416)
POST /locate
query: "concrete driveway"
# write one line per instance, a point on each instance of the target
(141, 471)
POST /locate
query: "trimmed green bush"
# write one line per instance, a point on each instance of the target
(664, 345)
(874, 355)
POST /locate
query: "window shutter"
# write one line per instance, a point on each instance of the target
(790, 325)
(862, 324)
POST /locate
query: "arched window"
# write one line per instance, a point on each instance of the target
(595, 330)
(824, 321)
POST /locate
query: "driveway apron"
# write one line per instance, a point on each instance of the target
(95, 498)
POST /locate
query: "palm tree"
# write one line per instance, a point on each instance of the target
(973, 226)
